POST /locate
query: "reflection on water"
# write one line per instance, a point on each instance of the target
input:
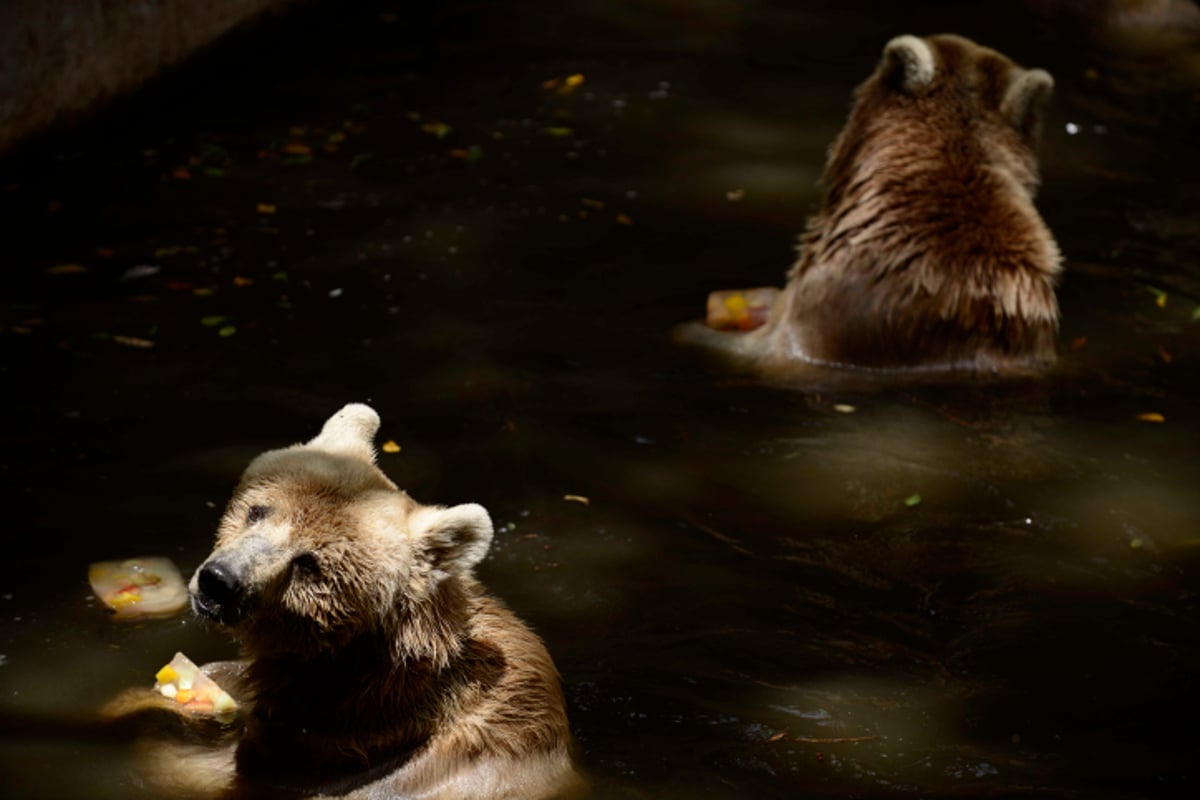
(839, 587)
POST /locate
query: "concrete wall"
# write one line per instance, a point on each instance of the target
(63, 58)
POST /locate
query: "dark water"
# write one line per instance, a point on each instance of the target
(950, 591)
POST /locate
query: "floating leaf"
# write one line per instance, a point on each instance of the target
(266, 208)
(175, 250)
(1151, 416)
(1160, 297)
(181, 174)
(297, 149)
(132, 341)
(279, 276)
(213, 320)
(557, 130)
(1196, 314)
(239, 280)
(66, 269)
(390, 447)
(203, 291)
(439, 129)
(590, 203)
(624, 219)
(227, 330)
(141, 271)
(912, 500)
(214, 172)
(564, 85)
(734, 195)
(576, 498)
(472, 153)
(844, 408)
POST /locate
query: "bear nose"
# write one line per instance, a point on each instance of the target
(219, 584)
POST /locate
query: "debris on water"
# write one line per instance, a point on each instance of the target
(735, 195)
(472, 153)
(844, 408)
(624, 219)
(133, 341)
(557, 130)
(227, 330)
(1160, 297)
(77, 269)
(266, 208)
(439, 129)
(141, 271)
(390, 446)
(1151, 416)
(564, 85)
(912, 500)
(576, 498)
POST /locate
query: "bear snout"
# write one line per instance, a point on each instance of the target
(219, 593)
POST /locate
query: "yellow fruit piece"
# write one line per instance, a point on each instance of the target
(166, 675)
(736, 303)
(124, 598)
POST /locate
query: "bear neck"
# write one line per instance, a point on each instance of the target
(382, 693)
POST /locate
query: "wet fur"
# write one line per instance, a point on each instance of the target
(927, 252)
(387, 672)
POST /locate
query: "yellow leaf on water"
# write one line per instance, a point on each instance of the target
(624, 219)
(266, 208)
(390, 447)
(132, 341)
(1151, 416)
(576, 498)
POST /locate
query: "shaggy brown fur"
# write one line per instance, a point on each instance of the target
(375, 664)
(927, 251)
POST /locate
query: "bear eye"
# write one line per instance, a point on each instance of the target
(306, 565)
(256, 514)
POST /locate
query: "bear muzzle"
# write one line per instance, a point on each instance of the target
(218, 593)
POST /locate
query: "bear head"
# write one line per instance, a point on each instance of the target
(318, 549)
(950, 82)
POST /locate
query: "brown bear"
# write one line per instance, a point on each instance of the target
(927, 251)
(375, 664)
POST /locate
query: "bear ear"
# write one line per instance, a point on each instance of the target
(349, 432)
(1025, 101)
(453, 539)
(908, 65)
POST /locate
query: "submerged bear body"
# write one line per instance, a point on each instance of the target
(927, 252)
(375, 665)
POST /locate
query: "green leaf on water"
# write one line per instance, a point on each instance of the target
(213, 320)
(228, 330)
(912, 500)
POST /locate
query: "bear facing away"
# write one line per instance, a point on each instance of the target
(375, 665)
(927, 251)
